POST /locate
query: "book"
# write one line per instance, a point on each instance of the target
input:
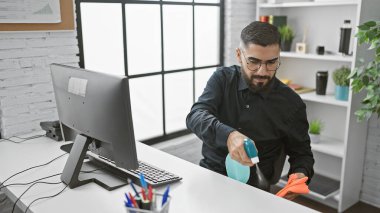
(278, 21)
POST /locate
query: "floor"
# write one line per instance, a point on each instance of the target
(189, 148)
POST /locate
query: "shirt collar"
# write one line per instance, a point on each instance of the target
(264, 94)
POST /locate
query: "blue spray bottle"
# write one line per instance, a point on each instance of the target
(240, 172)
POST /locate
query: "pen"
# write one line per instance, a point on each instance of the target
(129, 202)
(150, 192)
(143, 194)
(143, 182)
(133, 187)
(133, 201)
(165, 196)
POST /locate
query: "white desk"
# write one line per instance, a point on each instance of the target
(200, 190)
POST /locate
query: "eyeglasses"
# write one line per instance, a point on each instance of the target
(255, 65)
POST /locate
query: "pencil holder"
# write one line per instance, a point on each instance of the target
(155, 206)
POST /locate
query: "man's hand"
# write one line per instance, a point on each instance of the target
(291, 195)
(235, 144)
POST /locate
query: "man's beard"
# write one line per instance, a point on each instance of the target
(259, 86)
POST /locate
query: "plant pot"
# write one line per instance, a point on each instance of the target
(341, 93)
(314, 138)
(286, 45)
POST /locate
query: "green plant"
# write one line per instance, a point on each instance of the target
(340, 76)
(315, 127)
(286, 33)
(366, 76)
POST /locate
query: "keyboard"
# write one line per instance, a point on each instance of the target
(153, 176)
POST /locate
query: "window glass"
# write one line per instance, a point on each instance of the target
(146, 104)
(178, 37)
(143, 27)
(201, 78)
(178, 99)
(206, 35)
(102, 41)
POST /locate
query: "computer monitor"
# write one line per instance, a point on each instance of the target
(97, 107)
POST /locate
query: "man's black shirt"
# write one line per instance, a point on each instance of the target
(270, 118)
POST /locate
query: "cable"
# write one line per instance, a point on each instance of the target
(36, 182)
(14, 205)
(52, 195)
(23, 184)
(31, 137)
(23, 139)
(32, 168)
(27, 208)
(5, 197)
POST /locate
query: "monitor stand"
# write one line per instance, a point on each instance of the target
(75, 172)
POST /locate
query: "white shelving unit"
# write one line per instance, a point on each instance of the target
(340, 154)
(329, 146)
(316, 57)
(326, 99)
(308, 4)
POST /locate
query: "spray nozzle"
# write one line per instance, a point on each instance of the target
(251, 150)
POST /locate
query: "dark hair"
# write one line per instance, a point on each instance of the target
(260, 33)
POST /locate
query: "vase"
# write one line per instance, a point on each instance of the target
(341, 93)
(286, 45)
(314, 138)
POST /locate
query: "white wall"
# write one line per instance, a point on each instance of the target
(26, 92)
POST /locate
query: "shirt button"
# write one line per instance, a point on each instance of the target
(247, 106)
(239, 128)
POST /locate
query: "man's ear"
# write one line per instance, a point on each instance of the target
(238, 55)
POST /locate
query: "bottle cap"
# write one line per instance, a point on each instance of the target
(251, 150)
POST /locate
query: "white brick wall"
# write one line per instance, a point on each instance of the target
(371, 177)
(26, 92)
(238, 14)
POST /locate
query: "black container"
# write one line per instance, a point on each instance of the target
(321, 82)
(345, 35)
(320, 50)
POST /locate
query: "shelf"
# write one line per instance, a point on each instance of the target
(320, 186)
(329, 146)
(326, 99)
(339, 58)
(308, 4)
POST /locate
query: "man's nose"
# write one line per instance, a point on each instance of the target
(262, 69)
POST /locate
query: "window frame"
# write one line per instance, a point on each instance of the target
(179, 133)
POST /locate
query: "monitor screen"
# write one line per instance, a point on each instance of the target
(97, 107)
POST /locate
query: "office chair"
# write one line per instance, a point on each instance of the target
(278, 165)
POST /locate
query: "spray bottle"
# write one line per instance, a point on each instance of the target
(239, 172)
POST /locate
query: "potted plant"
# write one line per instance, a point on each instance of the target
(287, 37)
(340, 77)
(315, 128)
(366, 76)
